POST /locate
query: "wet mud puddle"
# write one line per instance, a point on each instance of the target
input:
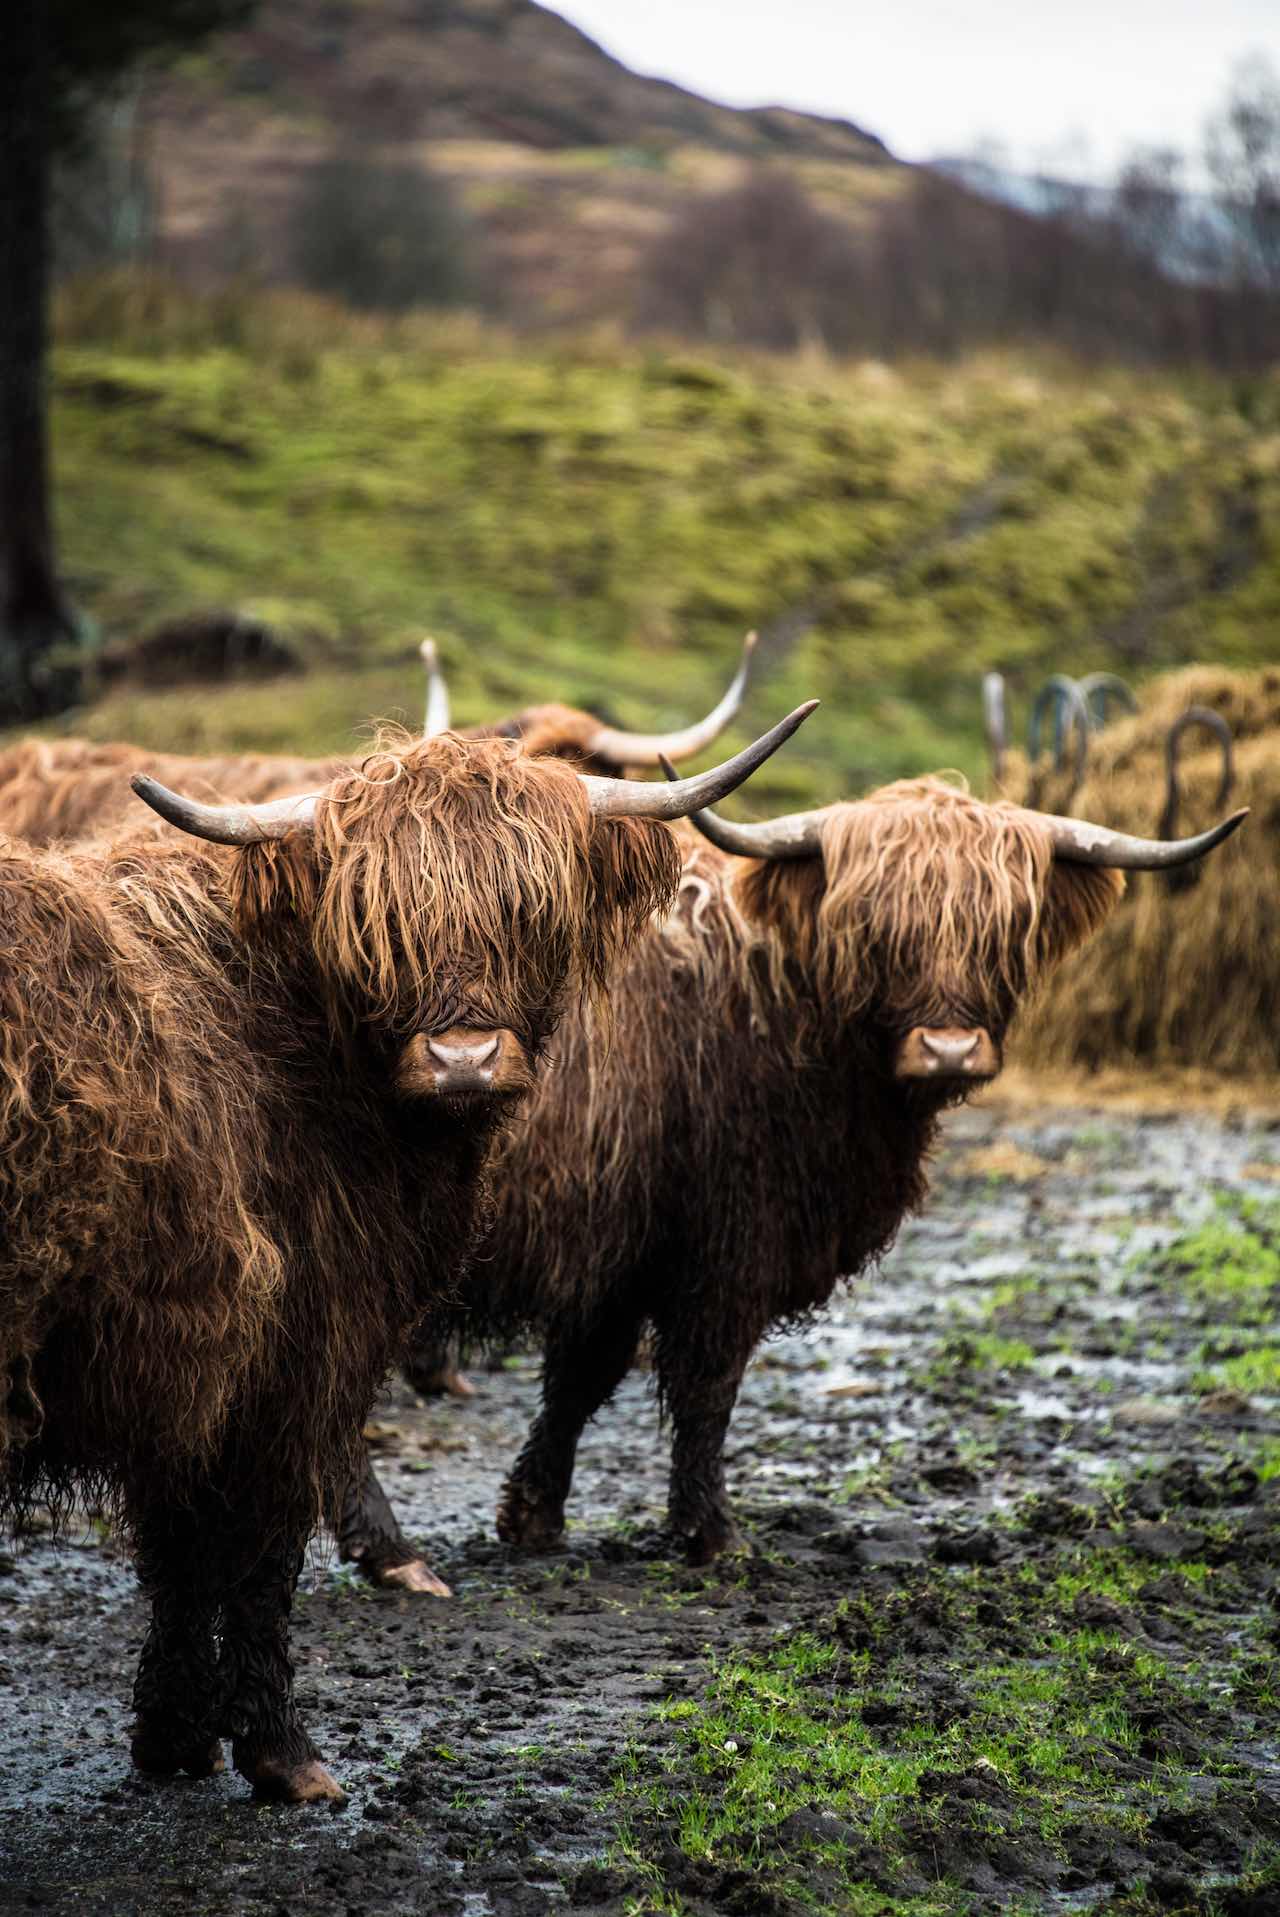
(1004, 1638)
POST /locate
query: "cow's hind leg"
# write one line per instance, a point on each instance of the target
(177, 1695)
(369, 1534)
(269, 1744)
(580, 1373)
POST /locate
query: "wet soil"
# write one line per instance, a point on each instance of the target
(1024, 1425)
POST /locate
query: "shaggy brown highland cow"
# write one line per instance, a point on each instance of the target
(756, 1123)
(66, 789)
(54, 791)
(246, 1100)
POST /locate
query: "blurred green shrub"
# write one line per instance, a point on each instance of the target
(382, 237)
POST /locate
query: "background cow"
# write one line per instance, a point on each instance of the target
(754, 1122)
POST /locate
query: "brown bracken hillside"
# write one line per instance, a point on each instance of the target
(568, 161)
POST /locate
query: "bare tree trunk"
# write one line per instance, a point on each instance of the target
(34, 614)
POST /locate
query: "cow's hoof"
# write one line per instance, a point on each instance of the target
(444, 1381)
(521, 1520)
(157, 1754)
(278, 1782)
(415, 1577)
(710, 1542)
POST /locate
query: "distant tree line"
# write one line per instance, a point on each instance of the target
(1146, 270)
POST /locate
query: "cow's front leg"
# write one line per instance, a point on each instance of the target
(369, 1535)
(580, 1372)
(269, 1745)
(177, 1695)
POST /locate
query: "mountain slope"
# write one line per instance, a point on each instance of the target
(492, 69)
(568, 163)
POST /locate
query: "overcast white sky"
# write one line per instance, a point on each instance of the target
(1068, 84)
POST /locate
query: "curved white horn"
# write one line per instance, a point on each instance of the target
(993, 712)
(647, 748)
(797, 835)
(640, 799)
(793, 835)
(228, 824)
(1080, 843)
(437, 713)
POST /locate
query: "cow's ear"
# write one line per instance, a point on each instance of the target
(274, 882)
(1077, 900)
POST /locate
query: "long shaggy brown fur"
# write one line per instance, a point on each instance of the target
(219, 1221)
(742, 1143)
(68, 789)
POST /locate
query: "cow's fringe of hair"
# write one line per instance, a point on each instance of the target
(929, 903)
(446, 847)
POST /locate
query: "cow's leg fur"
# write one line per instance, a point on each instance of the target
(177, 1695)
(699, 1385)
(369, 1535)
(580, 1373)
(269, 1745)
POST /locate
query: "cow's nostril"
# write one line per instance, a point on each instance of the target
(952, 1049)
(466, 1056)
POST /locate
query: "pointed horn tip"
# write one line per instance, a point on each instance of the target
(145, 786)
(427, 652)
(750, 643)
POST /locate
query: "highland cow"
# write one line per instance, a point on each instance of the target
(58, 790)
(756, 1121)
(61, 791)
(246, 1102)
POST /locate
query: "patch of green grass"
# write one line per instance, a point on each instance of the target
(601, 523)
(855, 1755)
(972, 1351)
(1254, 1370)
(1231, 1262)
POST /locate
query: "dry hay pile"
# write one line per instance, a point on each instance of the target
(1187, 971)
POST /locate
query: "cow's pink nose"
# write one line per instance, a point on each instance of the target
(932, 1051)
(463, 1061)
(952, 1051)
(463, 1057)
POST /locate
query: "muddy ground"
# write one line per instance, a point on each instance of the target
(1005, 1637)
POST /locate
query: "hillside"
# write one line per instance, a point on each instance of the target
(568, 161)
(574, 522)
(481, 69)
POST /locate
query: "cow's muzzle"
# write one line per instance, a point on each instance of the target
(463, 1063)
(947, 1051)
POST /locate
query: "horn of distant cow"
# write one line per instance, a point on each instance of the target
(993, 711)
(437, 713)
(616, 747)
(639, 799)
